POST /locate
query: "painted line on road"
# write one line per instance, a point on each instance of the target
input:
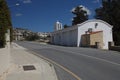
(90, 57)
(62, 67)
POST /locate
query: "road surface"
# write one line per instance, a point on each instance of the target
(86, 63)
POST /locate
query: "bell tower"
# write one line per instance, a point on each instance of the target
(58, 26)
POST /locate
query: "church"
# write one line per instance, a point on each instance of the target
(87, 34)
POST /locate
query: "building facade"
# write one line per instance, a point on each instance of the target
(20, 33)
(58, 26)
(88, 33)
(43, 34)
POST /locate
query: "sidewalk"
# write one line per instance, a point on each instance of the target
(4, 62)
(26, 66)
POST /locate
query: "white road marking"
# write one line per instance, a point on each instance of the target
(90, 57)
(67, 70)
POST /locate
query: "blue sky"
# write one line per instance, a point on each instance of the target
(41, 15)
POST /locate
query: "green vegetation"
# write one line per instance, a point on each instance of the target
(5, 22)
(65, 26)
(80, 15)
(110, 12)
(32, 37)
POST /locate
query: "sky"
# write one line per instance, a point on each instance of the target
(41, 15)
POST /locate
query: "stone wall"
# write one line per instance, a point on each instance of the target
(112, 47)
(94, 39)
(97, 39)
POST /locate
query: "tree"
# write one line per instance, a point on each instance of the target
(80, 15)
(110, 12)
(32, 37)
(5, 21)
(65, 26)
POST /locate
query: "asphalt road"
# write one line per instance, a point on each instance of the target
(87, 63)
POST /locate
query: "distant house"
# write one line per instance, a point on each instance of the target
(20, 33)
(89, 34)
(43, 34)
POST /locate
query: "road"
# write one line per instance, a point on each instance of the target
(87, 63)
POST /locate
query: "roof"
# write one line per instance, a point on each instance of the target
(95, 32)
(76, 26)
(90, 33)
(95, 20)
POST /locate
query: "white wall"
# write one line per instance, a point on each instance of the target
(72, 36)
(107, 31)
(68, 38)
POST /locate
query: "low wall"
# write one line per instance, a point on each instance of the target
(115, 48)
(112, 47)
(4, 61)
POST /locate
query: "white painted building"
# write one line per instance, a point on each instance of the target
(72, 36)
(20, 33)
(58, 26)
(44, 36)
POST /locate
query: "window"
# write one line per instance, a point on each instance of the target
(90, 29)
